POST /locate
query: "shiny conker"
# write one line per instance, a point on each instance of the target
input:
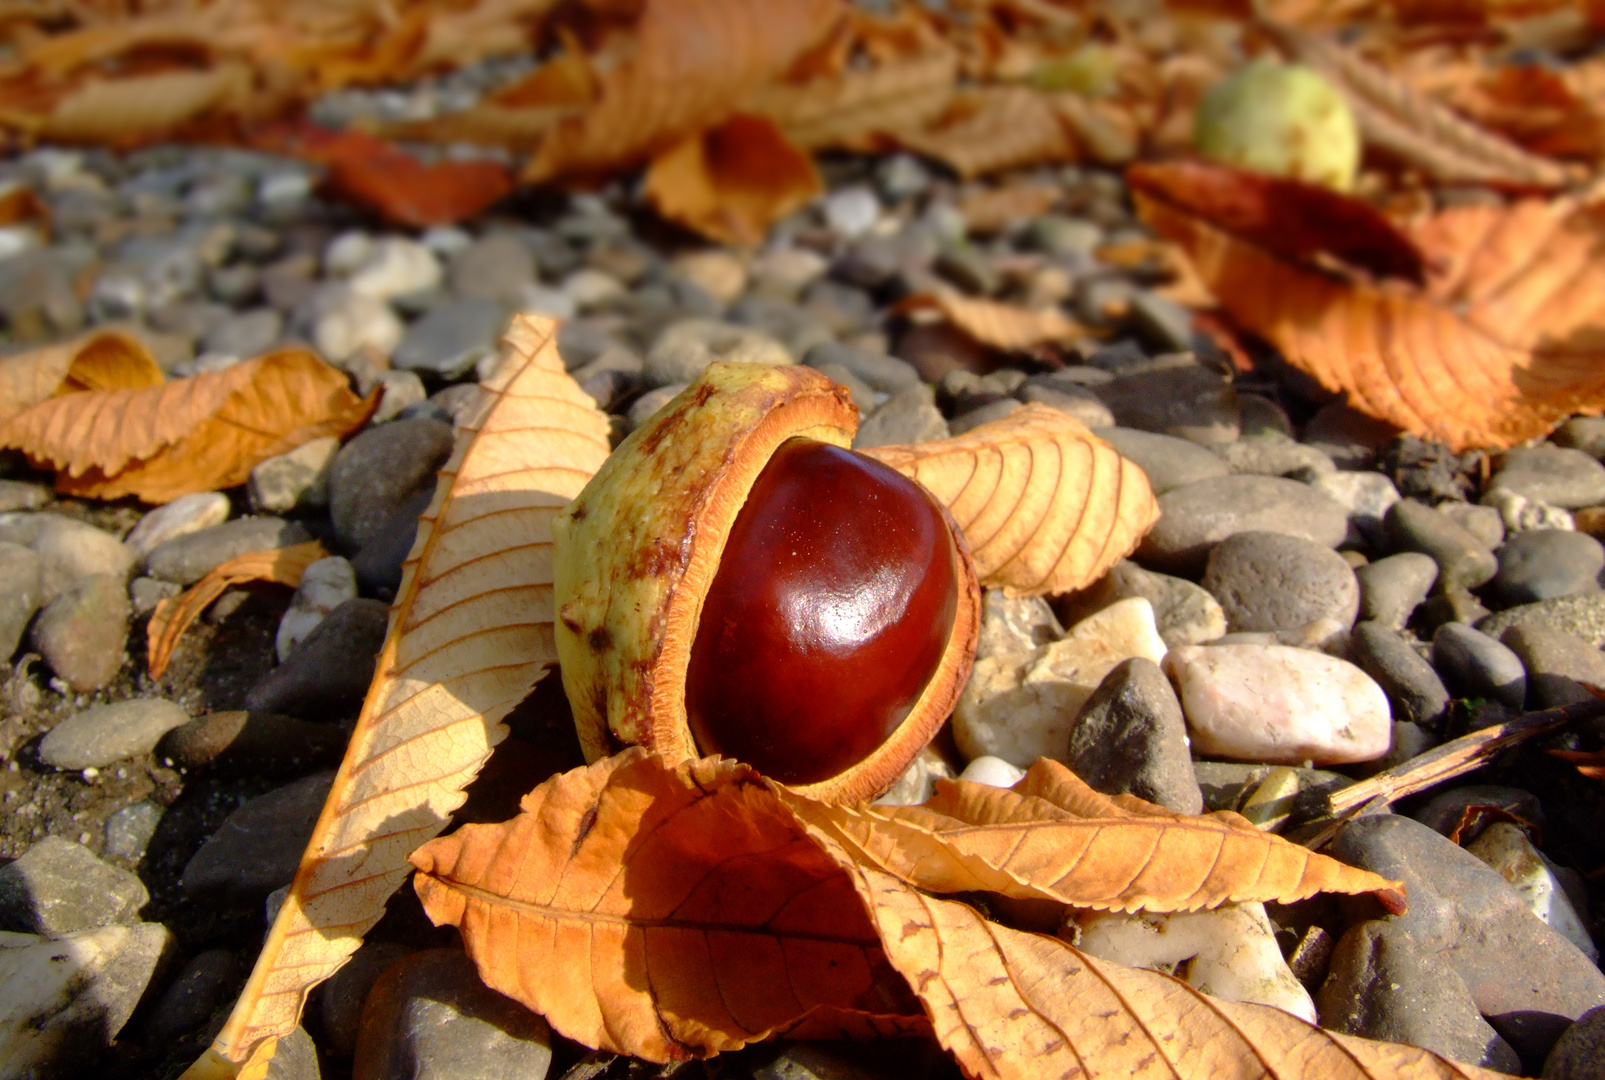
(833, 602)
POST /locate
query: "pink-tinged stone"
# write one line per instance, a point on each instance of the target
(1280, 705)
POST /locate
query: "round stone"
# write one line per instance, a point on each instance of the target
(1273, 582)
(1547, 563)
(1194, 518)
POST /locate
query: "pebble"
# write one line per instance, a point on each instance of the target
(908, 416)
(1350, 437)
(1021, 706)
(328, 676)
(145, 593)
(1278, 455)
(986, 414)
(1393, 587)
(253, 743)
(494, 267)
(104, 734)
(1130, 738)
(1543, 564)
(58, 887)
(325, 584)
(295, 1057)
(1074, 401)
(651, 403)
(429, 1017)
(1520, 514)
(1557, 663)
(82, 633)
(21, 587)
(1483, 522)
(250, 333)
(402, 390)
(718, 273)
(379, 470)
(1196, 517)
(1475, 665)
(1557, 475)
(1160, 321)
(862, 393)
(918, 782)
(394, 266)
(184, 515)
(20, 495)
(1464, 561)
(296, 480)
(451, 339)
(259, 845)
(200, 988)
(1445, 811)
(1583, 616)
(1011, 624)
(1169, 462)
(63, 1001)
(129, 830)
(188, 558)
(1282, 584)
(1384, 985)
(378, 562)
(339, 1000)
(1452, 605)
(1414, 690)
(685, 348)
(1185, 613)
(1277, 704)
(852, 211)
(1527, 980)
(992, 771)
(885, 373)
(1174, 395)
(1580, 1053)
(68, 550)
(1365, 495)
(1229, 952)
(1504, 846)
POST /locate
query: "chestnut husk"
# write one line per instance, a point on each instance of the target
(637, 550)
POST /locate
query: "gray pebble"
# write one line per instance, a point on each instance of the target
(68, 550)
(103, 734)
(1475, 665)
(1057, 234)
(1484, 522)
(1015, 624)
(1365, 495)
(1552, 474)
(299, 478)
(129, 830)
(885, 373)
(250, 333)
(1392, 588)
(259, 845)
(1463, 560)
(452, 338)
(1452, 606)
(1350, 437)
(1582, 615)
(908, 416)
(82, 633)
(145, 593)
(494, 267)
(20, 495)
(650, 403)
(1131, 739)
(1264, 418)
(189, 558)
(328, 675)
(1169, 462)
(1579, 1054)
(1543, 564)
(862, 393)
(1276, 455)
(1414, 690)
(1557, 664)
(58, 887)
(1585, 433)
(253, 744)
(21, 575)
(201, 987)
(1072, 400)
(295, 1057)
(381, 469)
(684, 349)
(184, 515)
(994, 410)
(1282, 584)
(378, 562)
(1174, 395)
(1184, 613)
(1196, 517)
(1444, 811)
(339, 1000)
(402, 393)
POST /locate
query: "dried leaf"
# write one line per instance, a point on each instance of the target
(1105, 131)
(694, 62)
(470, 635)
(1590, 763)
(200, 434)
(105, 360)
(1047, 507)
(144, 107)
(1505, 341)
(732, 182)
(991, 128)
(996, 209)
(998, 325)
(663, 913)
(858, 110)
(1413, 128)
(282, 566)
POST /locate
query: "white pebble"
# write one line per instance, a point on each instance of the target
(326, 584)
(184, 515)
(987, 769)
(1505, 847)
(852, 211)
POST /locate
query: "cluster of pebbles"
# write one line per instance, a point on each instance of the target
(1322, 598)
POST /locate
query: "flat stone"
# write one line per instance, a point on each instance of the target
(430, 1017)
(1022, 706)
(70, 550)
(1174, 395)
(104, 734)
(259, 845)
(685, 348)
(1583, 616)
(1543, 564)
(325, 585)
(1557, 664)
(187, 559)
(1275, 455)
(1015, 624)
(1168, 461)
(1505, 847)
(20, 495)
(1464, 561)
(452, 338)
(1528, 981)
(1282, 584)
(294, 480)
(184, 515)
(1277, 704)
(63, 1001)
(1185, 613)
(885, 373)
(1444, 811)
(1392, 588)
(329, 674)
(21, 576)
(82, 633)
(1365, 495)
(200, 988)
(1414, 690)
(1350, 437)
(58, 887)
(380, 470)
(1196, 517)
(395, 266)
(1383, 985)
(908, 416)
(1074, 401)
(339, 1000)
(1579, 1054)
(1473, 664)
(1131, 739)
(1551, 474)
(986, 414)
(253, 743)
(495, 267)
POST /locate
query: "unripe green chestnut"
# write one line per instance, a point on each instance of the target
(736, 581)
(1282, 119)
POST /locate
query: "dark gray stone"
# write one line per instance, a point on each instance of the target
(452, 338)
(202, 986)
(1393, 587)
(379, 470)
(1383, 985)
(20, 580)
(1557, 664)
(58, 887)
(495, 267)
(1551, 474)
(1528, 981)
(82, 633)
(253, 744)
(1131, 739)
(1580, 1053)
(1463, 560)
(186, 559)
(1472, 664)
(258, 847)
(328, 675)
(429, 1017)
(908, 416)
(1451, 606)
(1582, 615)
(378, 562)
(1443, 812)
(295, 1057)
(1161, 322)
(1268, 581)
(1169, 462)
(885, 373)
(1542, 564)
(1196, 517)
(1072, 400)
(1585, 433)
(1414, 690)
(1350, 437)
(993, 410)
(1174, 395)
(339, 1000)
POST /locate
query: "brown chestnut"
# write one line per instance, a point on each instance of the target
(735, 581)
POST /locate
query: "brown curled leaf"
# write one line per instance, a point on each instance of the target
(104, 360)
(991, 128)
(1046, 506)
(858, 110)
(200, 434)
(470, 635)
(281, 566)
(998, 325)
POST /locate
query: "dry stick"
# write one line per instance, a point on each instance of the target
(1446, 762)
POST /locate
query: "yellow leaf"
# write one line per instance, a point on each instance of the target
(470, 635)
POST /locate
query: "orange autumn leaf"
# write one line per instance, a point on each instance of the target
(664, 913)
(199, 434)
(860, 109)
(1504, 341)
(1590, 763)
(104, 360)
(996, 209)
(732, 182)
(1045, 505)
(282, 566)
(990, 128)
(998, 325)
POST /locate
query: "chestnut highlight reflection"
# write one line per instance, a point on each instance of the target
(834, 599)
